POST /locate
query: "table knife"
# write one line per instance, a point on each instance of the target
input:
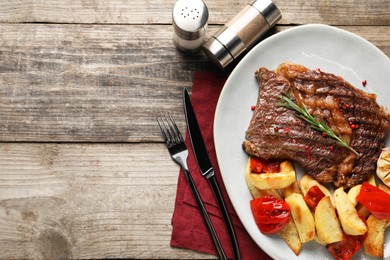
(205, 167)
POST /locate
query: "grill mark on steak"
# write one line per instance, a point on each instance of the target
(276, 132)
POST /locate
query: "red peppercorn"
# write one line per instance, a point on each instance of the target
(323, 135)
(353, 126)
(364, 83)
(253, 108)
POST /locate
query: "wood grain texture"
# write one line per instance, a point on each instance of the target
(99, 83)
(83, 171)
(87, 201)
(89, 83)
(336, 12)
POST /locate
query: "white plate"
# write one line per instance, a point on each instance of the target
(314, 46)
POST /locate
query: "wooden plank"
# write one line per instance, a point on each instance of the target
(87, 201)
(337, 12)
(99, 83)
(89, 83)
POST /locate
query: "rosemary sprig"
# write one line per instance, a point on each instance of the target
(315, 122)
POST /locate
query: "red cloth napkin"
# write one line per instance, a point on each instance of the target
(189, 230)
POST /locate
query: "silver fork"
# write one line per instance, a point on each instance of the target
(179, 153)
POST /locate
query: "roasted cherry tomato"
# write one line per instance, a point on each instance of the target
(313, 196)
(271, 214)
(259, 165)
(375, 200)
(348, 247)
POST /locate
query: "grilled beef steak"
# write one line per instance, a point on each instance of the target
(277, 132)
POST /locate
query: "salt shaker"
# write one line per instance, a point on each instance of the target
(189, 24)
(242, 32)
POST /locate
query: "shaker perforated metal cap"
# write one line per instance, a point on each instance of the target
(189, 23)
(241, 32)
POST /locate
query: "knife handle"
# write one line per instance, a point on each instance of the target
(205, 215)
(225, 214)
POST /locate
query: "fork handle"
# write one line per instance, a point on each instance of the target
(205, 215)
(225, 214)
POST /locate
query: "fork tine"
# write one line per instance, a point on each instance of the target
(175, 130)
(163, 129)
(167, 126)
(171, 132)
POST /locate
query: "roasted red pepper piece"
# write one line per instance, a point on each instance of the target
(348, 247)
(375, 200)
(259, 166)
(271, 166)
(271, 214)
(313, 197)
(256, 165)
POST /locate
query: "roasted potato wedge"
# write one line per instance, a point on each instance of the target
(353, 192)
(293, 188)
(252, 189)
(305, 183)
(327, 224)
(348, 216)
(319, 241)
(302, 216)
(308, 181)
(256, 193)
(279, 180)
(384, 188)
(271, 192)
(291, 237)
(374, 243)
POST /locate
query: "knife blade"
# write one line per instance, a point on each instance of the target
(206, 168)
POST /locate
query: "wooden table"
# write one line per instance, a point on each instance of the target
(84, 172)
